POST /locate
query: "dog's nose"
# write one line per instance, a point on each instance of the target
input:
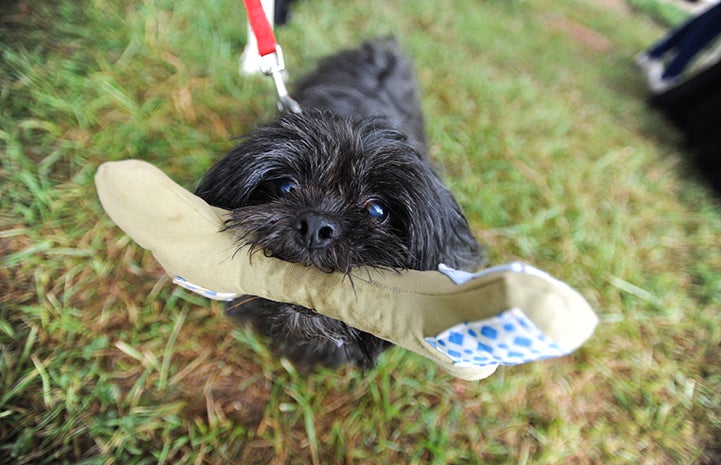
(316, 230)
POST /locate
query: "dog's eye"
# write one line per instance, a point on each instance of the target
(376, 210)
(287, 187)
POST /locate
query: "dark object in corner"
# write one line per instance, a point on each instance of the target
(282, 12)
(695, 108)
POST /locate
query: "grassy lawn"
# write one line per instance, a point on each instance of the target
(536, 116)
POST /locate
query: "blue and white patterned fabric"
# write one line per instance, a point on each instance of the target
(509, 338)
(215, 295)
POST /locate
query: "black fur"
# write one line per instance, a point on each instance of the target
(344, 184)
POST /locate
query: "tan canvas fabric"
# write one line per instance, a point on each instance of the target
(186, 236)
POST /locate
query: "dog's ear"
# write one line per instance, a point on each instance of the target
(453, 242)
(225, 184)
(235, 179)
(462, 251)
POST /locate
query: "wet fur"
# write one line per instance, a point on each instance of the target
(345, 184)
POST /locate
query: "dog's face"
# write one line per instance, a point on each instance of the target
(335, 194)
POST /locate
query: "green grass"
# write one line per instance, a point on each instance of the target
(536, 115)
(665, 13)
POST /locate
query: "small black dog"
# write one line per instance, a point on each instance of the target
(346, 183)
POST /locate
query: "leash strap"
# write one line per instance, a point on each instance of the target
(271, 61)
(261, 27)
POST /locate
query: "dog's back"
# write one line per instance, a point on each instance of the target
(374, 80)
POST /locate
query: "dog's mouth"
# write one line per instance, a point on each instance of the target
(331, 240)
(327, 250)
(328, 260)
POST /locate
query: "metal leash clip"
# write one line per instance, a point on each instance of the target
(273, 65)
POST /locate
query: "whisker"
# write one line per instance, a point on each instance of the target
(240, 302)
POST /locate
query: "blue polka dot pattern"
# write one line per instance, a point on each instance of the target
(506, 339)
(215, 295)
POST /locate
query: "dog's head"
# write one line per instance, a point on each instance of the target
(337, 193)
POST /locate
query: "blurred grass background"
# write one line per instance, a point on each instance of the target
(536, 116)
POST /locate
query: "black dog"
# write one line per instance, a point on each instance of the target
(344, 184)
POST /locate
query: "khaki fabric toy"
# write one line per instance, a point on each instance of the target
(467, 323)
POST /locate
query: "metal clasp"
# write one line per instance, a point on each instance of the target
(273, 65)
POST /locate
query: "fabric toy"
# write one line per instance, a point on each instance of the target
(467, 323)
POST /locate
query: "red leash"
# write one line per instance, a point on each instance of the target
(261, 27)
(271, 62)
